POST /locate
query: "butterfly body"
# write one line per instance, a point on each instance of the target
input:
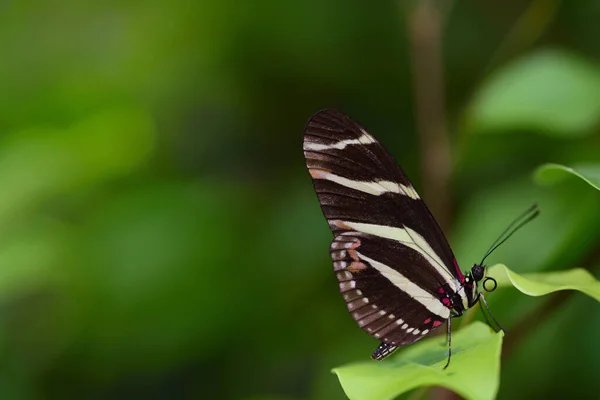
(396, 271)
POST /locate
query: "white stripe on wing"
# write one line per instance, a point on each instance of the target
(407, 286)
(376, 188)
(407, 237)
(364, 139)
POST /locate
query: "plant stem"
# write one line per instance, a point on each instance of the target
(425, 24)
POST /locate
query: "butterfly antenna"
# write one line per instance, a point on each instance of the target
(520, 221)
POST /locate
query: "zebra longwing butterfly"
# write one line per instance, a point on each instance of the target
(396, 271)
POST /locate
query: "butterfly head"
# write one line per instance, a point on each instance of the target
(478, 274)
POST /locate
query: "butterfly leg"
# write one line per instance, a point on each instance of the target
(482, 297)
(449, 342)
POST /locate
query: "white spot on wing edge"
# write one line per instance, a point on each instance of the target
(338, 255)
(348, 245)
(337, 265)
(344, 275)
(347, 285)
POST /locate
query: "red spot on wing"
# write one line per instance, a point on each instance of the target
(428, 320)
(459, 273)
(446, 302)
(441, 290)
(436, 323)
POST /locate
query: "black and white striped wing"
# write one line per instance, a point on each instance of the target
(394, 266)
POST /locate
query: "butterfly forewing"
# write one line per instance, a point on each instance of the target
(392, 261)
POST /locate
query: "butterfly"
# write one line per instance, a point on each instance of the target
(395, 268)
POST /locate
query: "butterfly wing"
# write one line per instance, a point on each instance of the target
(392, 260)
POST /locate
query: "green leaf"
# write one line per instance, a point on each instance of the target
(551, 91)
(541, 283)
(474, 371)
(549, 174)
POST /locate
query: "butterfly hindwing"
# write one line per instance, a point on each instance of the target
(384, 303)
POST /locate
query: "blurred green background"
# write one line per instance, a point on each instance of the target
(159, 234)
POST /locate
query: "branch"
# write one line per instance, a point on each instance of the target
(425, 26)
(425, 35)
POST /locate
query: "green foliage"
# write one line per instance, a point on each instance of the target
(548, 282)
(159, 236)
(553, 173)
(43, 164)
(550, 90)
(474, 371)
